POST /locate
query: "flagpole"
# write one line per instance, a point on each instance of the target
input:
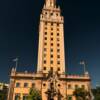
(84, 65)
(16, 61)
(84, 68)
(16, 64)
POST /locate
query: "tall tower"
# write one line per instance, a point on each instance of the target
(51, 39)
(52, 85)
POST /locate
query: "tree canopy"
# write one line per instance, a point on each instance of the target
(96, 93)
(34, 94)
(81, 94)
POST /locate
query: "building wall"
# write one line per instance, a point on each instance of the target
(65, 86)
(24, 87)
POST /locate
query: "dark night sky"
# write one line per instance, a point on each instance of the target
(19, 35)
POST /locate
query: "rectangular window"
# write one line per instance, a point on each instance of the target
(51, 50)
(45, 33)
(51, 44)
(58, 50)
(58, 69)
(44, 55)
(25, 97)
(51, 61)
(17, 97)
(51, 56)
(57, 34)
(58, 62)
(45, 38)
(51, 33)
(44, 61)
(83, 86)
(51, 28)
(58, 45)
(57, 29)
(51, 39)
(51, 14)
(58, 39)
(33, 85)
(69, 86)
(17, 84)
(44, 68)
(58, 56)
(76, 86)
(56, 14)
(45, 43)
(45, 23)
(51, 23)
(45, 49)
(25, 85)
(51, 68)
(45, 12)
(57, 24)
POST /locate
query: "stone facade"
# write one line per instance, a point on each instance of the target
(50, 77)
(51, 39)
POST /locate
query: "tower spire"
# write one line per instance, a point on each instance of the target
(50, 3)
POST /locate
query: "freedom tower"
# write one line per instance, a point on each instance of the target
(50, 78)
(51, 54)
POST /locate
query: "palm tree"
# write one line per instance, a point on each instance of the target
(81, 94)
(34, 94)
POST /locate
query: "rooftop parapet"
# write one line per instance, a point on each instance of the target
(26, 75)
(75, 77)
